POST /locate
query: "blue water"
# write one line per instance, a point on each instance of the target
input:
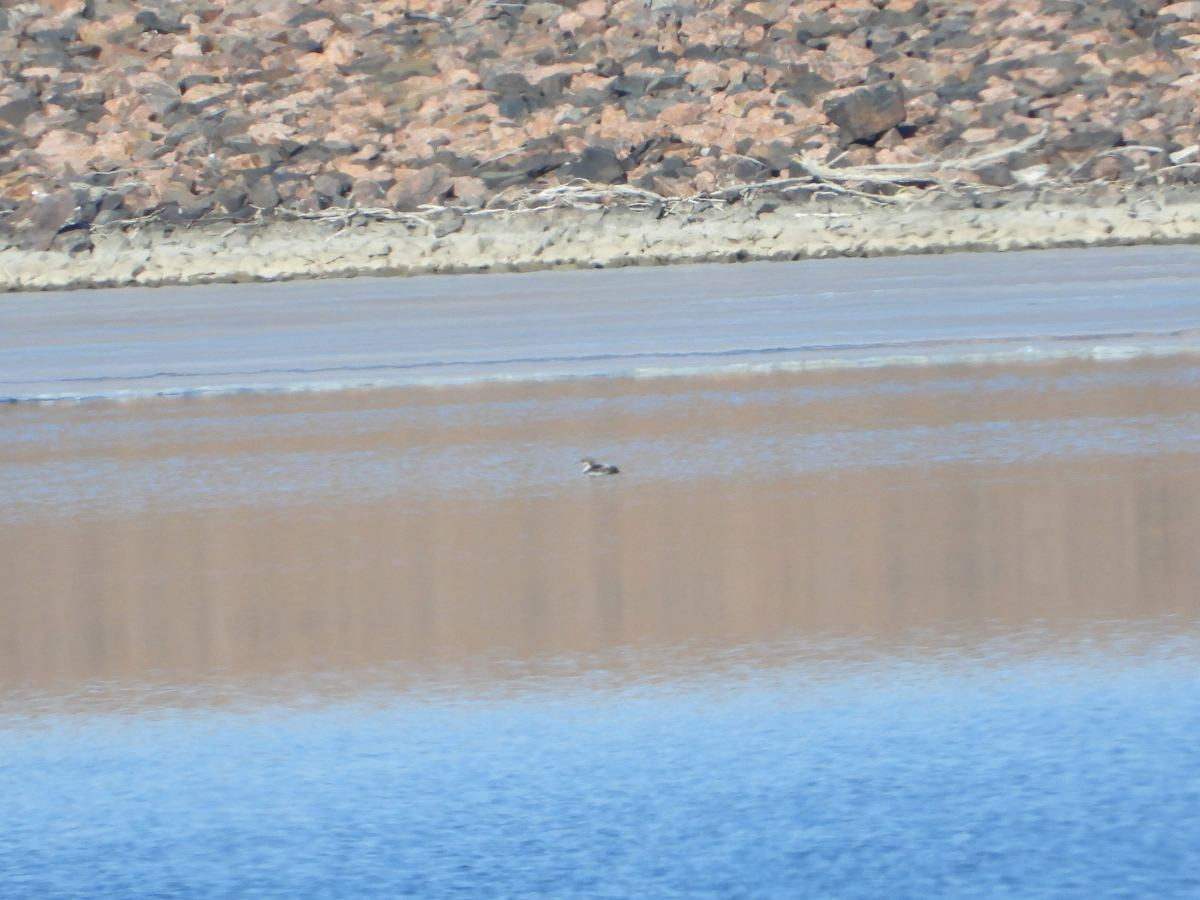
(1071, 776)
(914, 766)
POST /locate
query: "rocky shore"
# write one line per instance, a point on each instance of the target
(204, 140)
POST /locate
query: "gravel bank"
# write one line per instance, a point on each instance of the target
(159, 254)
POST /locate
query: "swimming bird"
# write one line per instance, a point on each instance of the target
(591, 467)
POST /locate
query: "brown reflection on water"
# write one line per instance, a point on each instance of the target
(872, 552)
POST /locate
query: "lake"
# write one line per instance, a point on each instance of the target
(888, 632)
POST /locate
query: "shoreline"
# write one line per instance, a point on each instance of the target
(350, 243)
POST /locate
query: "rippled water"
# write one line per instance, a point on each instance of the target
(865, 634)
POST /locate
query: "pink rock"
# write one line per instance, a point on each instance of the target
(469, 191)
(424, 186)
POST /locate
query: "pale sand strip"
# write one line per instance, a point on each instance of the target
(571, 238)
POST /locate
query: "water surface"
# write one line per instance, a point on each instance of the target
(906, 633)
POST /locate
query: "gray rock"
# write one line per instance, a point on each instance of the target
(263, 195)
(232, 197)
(948, 93)
(302, 43)
(507, 84)
(332, 185)
(368, 193)
(161, 100)
(45, 217)
(15, 112)
(752, 81)
(59, 36)
(448, 226)
(149, 20)
(424, 186)
(813, 29)
(310, 14)
(666, 83)
(514, 107)
(868, 112)
(997, 176)
(596, 164)
(1090, 139)
(74, 242)
(552, 87)
(539, 164)
(803, 85)
(629, 85)
(190, 81)
(609, 68)
(589, 98)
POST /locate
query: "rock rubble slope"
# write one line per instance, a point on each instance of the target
(116, 114)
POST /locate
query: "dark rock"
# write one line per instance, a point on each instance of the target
(187, 208)
(514, 95)
(882, 39)
(609, 68)
(896, 18)
(190, 81)
(239, 48)
(317, 150)
(507, 84)
(629, 85)
(425, 186)
(44, 217)
(596, 164)
(540, 164)
(368, 193)
(309, 14)
(749, 169)
(499, 180)
(74, 242)
(180, 132)
(650, 55)
(332, 185)
(666, 83)
(90, 51)
(961, 40)
(89, 105)
(816, 30)
(803, 85)
(867, 112)
(263, 195)
(1000, 68)
(16, 111)
(709, 53)
(514, 107)
(232, 198)
(162, 101)
(149, 20)
(553, 87)
(751, 82)
(306, 44)
(948, 93)
(458, 165)
(649, 151)
(588, 98)
(998, 176)
(1090, 139)
(61, 36)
